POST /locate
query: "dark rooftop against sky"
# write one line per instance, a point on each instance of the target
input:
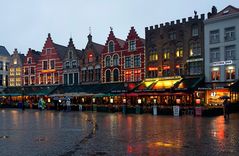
(26, 23)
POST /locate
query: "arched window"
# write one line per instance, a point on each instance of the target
(111, 46)
(116, 75)
(107, 75)
(107, 61)
(115, 60)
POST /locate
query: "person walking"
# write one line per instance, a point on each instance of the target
(226, 110)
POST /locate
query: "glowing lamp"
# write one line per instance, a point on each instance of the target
(178, 101)
(49, 100)
(139, 101)
(83, 100)
(155, 100)
(111, 100)
(198, 101)
(124, 100)
(93, 100)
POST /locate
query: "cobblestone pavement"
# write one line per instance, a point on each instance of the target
(34, 132)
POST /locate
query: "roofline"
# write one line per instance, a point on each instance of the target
(225, 17)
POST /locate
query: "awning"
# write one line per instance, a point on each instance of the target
(188, 84)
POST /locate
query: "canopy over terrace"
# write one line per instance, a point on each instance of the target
(28, 91)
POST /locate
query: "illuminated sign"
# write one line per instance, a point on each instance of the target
(153, 68)
(166, 67)
(195, 60)
(222, 63)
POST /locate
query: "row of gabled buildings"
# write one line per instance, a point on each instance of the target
(182, 60)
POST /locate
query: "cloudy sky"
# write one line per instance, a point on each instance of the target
(26, 23)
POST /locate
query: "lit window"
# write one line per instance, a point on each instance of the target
(166, 55)
(128, 76)
(215, 73)
(137, 75)
(111, 46)
(195, 49)
(90, 58)
(15, 61)
(179, 52)
(230, 72)
(132, 45)
(153, 56)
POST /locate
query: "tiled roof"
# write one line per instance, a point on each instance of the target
(4, 52)
(121, 42)
(61, 50)
(226, 11)
(98, 47)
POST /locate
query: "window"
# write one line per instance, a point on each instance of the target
(215, 73)
(111, 46)
(26, 71)
(29, 60)
(214, 36)
(1, 80)
(26, 81)
(166, 55)
(132, 45)
(179, 52)
(52, 64)
(230, 52)
(90, 58)
(230, 34)
(56, 78)
(115, 60)
(65, 79)
(1, 65)
(7, 65)
(97, 73)
(195, 49)
(179, 69)
(172, 35)
(116, 75)
(70, 78)
(41, 79)
(48, 51)
(18, 71)
(137, 61)
(12, 71)
(73, 64)
(195, 68)
(70, 54)
(15, 61)
(195, 30)
(76, 78)
(67, 64)
(137, 75)
(107, 61)
(91, 75)
(32, 70)
(32, 80)
(214, 54)
(127, 62)
(153, 56)
(44, 65)
(128, 76)
(6, 80)
(166, 70)
(230, 72)
(83, 75)
(108, 76)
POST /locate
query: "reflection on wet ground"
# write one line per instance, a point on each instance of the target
(35, 132)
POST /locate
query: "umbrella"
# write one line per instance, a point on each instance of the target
(225, 97)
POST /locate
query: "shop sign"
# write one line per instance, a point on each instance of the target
(176, 110)
(222, 63)
(195, 60)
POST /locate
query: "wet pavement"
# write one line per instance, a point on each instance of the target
(34, 132)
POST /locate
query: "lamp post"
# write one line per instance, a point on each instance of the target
(23, 107)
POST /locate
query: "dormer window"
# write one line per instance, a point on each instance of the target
(67, 64)
(111, 46)
(73, 64)
(90, 58)
(132, 45)
(29, 60)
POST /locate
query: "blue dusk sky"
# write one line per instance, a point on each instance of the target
(26, 23)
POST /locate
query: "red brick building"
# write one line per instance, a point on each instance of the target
(29, 67)
(50, 64)
(133, 58)
(111, 59)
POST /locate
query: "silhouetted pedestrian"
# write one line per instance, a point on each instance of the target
(226, 110)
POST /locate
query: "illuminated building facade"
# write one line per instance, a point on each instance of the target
(4, 67)
(50, 64)
(111, 59)
(133, 58)
(71, 65)
(175, 48)
(90, 63)
(15, 70)
(221, 51)
(29, 67)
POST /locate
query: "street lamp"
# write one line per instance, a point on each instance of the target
(111, 100)
(22, 98)
(139, 101)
